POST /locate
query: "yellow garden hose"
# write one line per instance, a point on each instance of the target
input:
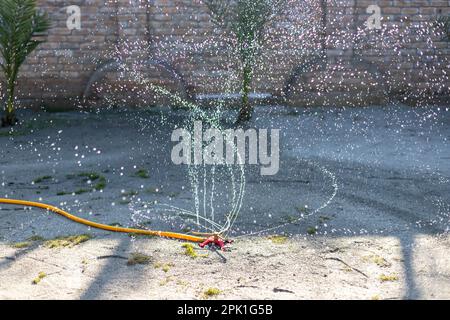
(172, 235)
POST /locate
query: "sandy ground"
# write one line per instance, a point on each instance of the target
(384, 235)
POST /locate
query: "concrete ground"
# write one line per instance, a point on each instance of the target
(360, 208)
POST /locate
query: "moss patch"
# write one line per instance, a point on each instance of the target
(152, 190)
(35, 238)
(388, 278)
(302, 209)
(311, 230)
(21, 245)
(290, 218)
(68, 241)
(378, 260)
(42, 179)
(81, 191)
(164, 267)
(211, 292)
(189, 251)
(142, 173)
(278, 239)
(138, 258)
(101, 184)
(38, 279)
(129, 193)
(90, 176)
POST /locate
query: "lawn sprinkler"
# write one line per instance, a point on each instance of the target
(213, 239)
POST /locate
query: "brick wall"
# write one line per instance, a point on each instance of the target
(317, 52)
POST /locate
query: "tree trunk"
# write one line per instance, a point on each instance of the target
(246, 110)
(10, 116)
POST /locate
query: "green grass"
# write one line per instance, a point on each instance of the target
(189, 250)
(378, 260)
(142, 173)
(38, 279)
(278, 239)
(87, 176)
(68, 241)
(388, 278)
(100, 181)
(90, 176)
(101, 184)
(35, 238)
(138, 258)
(152, 190)
(81, 191)
(211, 292)
(129, 193)
(21, 245)
(290, 218)
(42, 179)
(13, 133)
(302, 209)
(164, 267)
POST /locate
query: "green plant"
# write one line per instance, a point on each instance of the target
(20, 24)
(21, 245)
(68, 241)
(38, 279)
(247, 21)
(388, 278)
(142, 173)
(138, 258)
(211, 292)
(278, 239)
(42, 179)
(443, 26)
(189, 251)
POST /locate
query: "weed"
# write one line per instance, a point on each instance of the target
(211, 292)
(138, 258)
(35, 238)
(21, 245)
(142, 173)
(189, 251)
(278, 239)
(388, 278)
(378, 260)
(40, 276)
(42, 179)
(68, 241)
(302, 209)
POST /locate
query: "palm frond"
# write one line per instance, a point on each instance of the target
(20, 23)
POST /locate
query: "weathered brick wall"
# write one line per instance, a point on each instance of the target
(187, 51)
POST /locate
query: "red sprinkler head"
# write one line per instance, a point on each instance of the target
(215, 240)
